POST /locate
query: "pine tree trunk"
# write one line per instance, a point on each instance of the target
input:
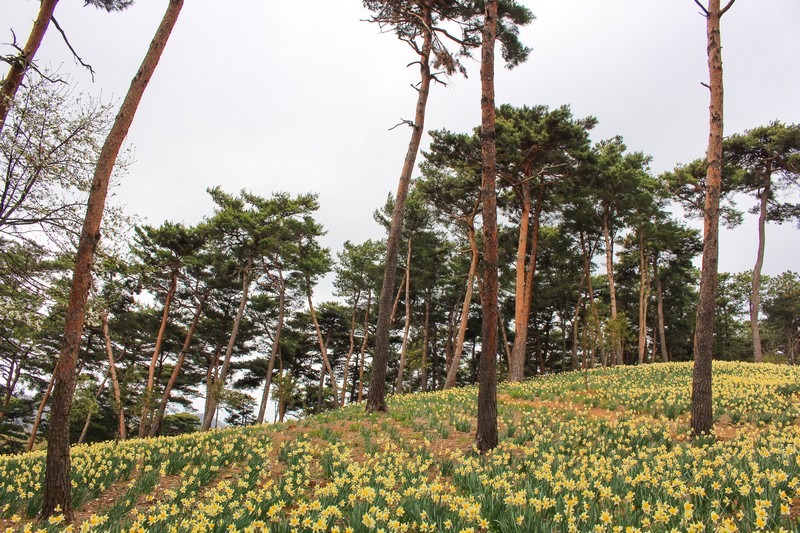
(426, 337)
(644, 293)
(516, 366)
(219, 383)
(662, 334)
(112, 369)
(576, 323)
(275, 347)
(616, 341)
(155, 427)
(211, 376)
(12, 377)
(486, 436)
(19, 64)
(323, 346)
(458, 349)
(376, 396)
(364, 347)
(57, 487)
(144, 424)
(352, 347)
(755, 295)
(88, 421)
(39, 413)
(524, 292)
(702, 413)
(404, 345)
(587, 252)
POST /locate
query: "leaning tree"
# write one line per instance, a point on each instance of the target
(429, 27)
(23, 59)
(57, 484)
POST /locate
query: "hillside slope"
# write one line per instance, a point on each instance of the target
(603, 451)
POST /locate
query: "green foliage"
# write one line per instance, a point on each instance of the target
(179, 424)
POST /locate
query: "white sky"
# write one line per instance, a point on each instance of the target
(300, 96)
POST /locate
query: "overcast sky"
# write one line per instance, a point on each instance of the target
(299, 96)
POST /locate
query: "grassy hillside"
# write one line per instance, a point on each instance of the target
(611, 457)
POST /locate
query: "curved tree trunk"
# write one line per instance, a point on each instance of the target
(39, 413)
(376, 396)
(112, 370)
(88, 421)
(486, 435)
(144, 424)
(12, 377)
(57, 487)
(20, 64)
(323, 347)
(219, 383)
(352, 348)
(458, 349)
(404, 345)
(276, 343)
(162, 406)
(755, 295)
(702, 412)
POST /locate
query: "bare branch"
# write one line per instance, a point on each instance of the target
(404, 122)
(707, 86)
(449, 36)
(702, 7)
(726, 8)
(71, 49)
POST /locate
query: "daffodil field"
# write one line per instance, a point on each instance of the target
(602, 451)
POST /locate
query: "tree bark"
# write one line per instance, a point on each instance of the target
(162, 406)
(323, 346)
(524, 290)
(19, 65)
(458, 349)
(516, 367)
(12, 378)
(702, 413)
(575, 324)
(352, 348)
(755, 295)
(57, 487)
(616, 341)
(426, 336)
(662, 334)
(144, 424)
(404, 345)
(112, 370)
(88, 421)
(364, 347)
(644, 296)
(587, 251)
(39, 413)
(275, 347)
(376, 396)
(219, 383)
(486, 436)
